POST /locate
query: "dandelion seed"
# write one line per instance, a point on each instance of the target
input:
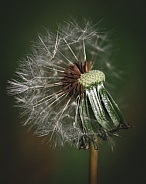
(62, 94)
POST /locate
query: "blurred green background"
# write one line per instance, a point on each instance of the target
(24, 158)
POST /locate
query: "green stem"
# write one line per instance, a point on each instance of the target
(93, 164)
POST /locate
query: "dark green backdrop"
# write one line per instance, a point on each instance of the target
(24, 159)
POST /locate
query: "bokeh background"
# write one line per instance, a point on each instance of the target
(24, 158)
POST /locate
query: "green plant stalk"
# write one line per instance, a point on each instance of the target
(94, 157)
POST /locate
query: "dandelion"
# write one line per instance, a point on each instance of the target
(62, 94)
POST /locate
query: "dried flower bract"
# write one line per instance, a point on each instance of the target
(60, 94)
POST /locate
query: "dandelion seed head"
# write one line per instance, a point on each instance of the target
(52, 87)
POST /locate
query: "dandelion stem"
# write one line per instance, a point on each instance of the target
(93, 164)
